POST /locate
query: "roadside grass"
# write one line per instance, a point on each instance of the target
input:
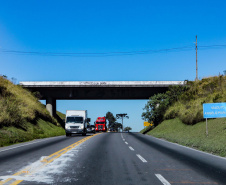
(23, 117)
(194, 136)
(61, 115)
(146, 129)
(189, 106)
(42, 129)
(18, 106)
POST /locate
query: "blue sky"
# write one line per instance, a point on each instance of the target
(73, 26)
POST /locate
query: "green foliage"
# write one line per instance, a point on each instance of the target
(127, 129)
(116, 126)
(158, 104)
(111, 119)
(176, 131)
(189, 106)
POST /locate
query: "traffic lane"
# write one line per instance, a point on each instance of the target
(177, 163)
(108, 160)
(103, 159)
(15, 157)
(176, 167)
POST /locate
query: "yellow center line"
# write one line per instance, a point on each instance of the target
(44, 162)
(7, 180)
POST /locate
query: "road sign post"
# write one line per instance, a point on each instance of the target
(213, 110)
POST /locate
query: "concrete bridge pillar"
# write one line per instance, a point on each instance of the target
(51, 106)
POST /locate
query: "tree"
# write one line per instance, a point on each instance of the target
(111, 119)
(155, 108)
(121, 116)
(116, 126)
(127, 129)
(158, 104)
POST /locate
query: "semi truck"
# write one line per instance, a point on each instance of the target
(100, 124)
(76, 122)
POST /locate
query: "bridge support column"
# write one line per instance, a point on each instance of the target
(54, 107)
(51, 106)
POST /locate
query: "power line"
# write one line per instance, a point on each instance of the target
(96, 53)
(106, 54)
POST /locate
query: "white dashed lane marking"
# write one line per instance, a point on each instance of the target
(131, 148)
(126, 143)
(141, 158)
(162, 179)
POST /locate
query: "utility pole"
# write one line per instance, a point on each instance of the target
(196, 79)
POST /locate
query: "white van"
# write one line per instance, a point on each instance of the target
(76, 122)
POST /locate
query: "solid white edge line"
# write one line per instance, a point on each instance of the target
(131, 148)
(162, 179)
(141, 158)
(26, 144)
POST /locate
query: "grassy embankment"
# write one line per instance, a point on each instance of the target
(183, 121)
(22, 116)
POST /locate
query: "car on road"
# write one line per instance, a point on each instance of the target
(111, 130)
(91, 129)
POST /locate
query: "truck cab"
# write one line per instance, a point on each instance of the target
(100, 124)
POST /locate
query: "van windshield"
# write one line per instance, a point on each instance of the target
(74, 120)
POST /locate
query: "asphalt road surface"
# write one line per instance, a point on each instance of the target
(108, 159)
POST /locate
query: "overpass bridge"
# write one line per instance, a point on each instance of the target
(96, 90)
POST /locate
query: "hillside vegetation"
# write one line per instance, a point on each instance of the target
(189, 107)
(181, 119)
(22, 116)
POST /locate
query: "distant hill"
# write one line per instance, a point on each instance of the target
(22, 116)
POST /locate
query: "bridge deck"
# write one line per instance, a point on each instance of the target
(96, 90)
(101, 83)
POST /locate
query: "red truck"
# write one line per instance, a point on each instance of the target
(101, 124)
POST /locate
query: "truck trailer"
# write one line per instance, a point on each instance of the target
(76, 122)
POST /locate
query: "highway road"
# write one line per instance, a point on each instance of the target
(108, 159)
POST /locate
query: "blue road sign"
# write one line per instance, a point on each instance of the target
(214, 110)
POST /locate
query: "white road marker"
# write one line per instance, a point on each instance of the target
(131, 148)
(141, 158)
(123, 139)
(162, 179)
(126, 143)
(122, 136)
